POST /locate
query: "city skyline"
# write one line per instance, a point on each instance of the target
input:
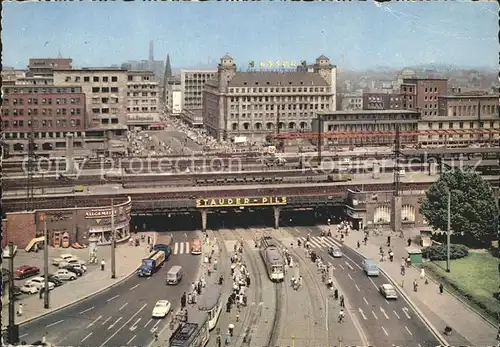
(458, 34)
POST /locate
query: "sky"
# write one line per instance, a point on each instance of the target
(355, 36)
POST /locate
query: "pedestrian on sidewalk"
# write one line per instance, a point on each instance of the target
(365, 240)
(231, 329)
(342, 301)
(103, 264)
(441, 288)
(183, 300)
(422, 273)
(391, 255)
(389, 241)
(358, 244)
(20, 310)
(415, 285)
(409, 241)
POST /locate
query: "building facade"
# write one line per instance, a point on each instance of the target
(421, 94)
(47, 112)
(80, 224)
(173, 96)
(46, 66)
(357, 128)
(106, 106)
(457, 113)
(142, 99)
(11, 76)
(192, 86)
(382, 101)
(252, 105)
(352, 102)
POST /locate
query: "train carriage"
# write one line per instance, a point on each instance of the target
(273, 259)
(211, 303)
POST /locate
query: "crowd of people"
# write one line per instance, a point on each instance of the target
(142, 144)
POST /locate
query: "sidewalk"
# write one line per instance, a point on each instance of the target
(440, 310)
(128, 259)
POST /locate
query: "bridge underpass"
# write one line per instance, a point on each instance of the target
(240, 217)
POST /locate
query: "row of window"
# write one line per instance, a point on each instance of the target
(105, 89)
(104, 110)
(430, 98)
(99, 100)
(281, 90)
(143, 86)
(46, 90)
(272, 115)
(370, 127)
(371, 117)
(283, 107)
(431, 90)
(43, 112)
(472, 109)
(284, 99)
(131, 78)
(451, 125)
(94, 79)
(41, 135)
(142, 94)
(431, 106)
(43, 101)
(268, 126)
(142, 109)
(144, 101)
(63, 123)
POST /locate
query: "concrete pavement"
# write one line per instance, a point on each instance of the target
(440, 310)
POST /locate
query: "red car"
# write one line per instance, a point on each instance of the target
(26, 271)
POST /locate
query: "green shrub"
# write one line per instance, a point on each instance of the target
(439, 252)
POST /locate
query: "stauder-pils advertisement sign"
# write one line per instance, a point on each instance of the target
(241, 202)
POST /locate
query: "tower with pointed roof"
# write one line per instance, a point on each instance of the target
(329, 72)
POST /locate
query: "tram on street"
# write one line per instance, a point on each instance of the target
(273, 259)
(194, 333)
(211, 303)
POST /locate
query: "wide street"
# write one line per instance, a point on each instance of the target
(120, 316)
(384, 322)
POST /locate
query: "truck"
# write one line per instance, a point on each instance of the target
(164, 243)
(151, 264)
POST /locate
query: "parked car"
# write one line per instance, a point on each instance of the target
(335, 252)
(388, 291)
(65, 275)
(32, 288)
(63, 257)
(78, 266)
(161, 309)
(71, 261)
(55, 280)
(38, 281)
(25, 271)
(73, 269)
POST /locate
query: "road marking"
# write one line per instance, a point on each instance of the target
(385, 332)
(352, 261)
(149, 321)
(155, 327)
(408, 330)
(114, 297)
(176, 248)
(131, 339)
(397, 315)
(383, 312)
(181, 247)
(134, 326)
(340, 265)
(357, 288)
(86, 337)
(148, 278)
(113, 325)
(137, 285)
(349, 276)
(23, 335)
(373, 283)
(119, 329)
(405, 310)
(87, 310)
(419, 345)
(88, 326)
(107, 320)
(366, 301)
(55, 323)
(349, 265)
(121, 308)
(187, 247)
(374, 315)
(362, 313)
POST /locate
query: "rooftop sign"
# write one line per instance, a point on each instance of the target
(241, 202)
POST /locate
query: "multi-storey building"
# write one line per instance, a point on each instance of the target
(48, 113)
(46, 66)
(458, 114)
(256, 104)
(192, 85)
(142, 99)
(352, 102)
(11, 76)
(359, 126)
(173, 96)
(422, 94)
(106, 106)
(382, 101)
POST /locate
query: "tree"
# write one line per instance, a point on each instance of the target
(474, 212)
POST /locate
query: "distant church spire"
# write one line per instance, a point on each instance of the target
(168, 68)
(59, 56)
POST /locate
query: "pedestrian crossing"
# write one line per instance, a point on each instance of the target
(320, 241)
(181, 248)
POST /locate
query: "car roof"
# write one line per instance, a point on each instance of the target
(162, 302)
(24, 267)
(37, 278)
(388, 286)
